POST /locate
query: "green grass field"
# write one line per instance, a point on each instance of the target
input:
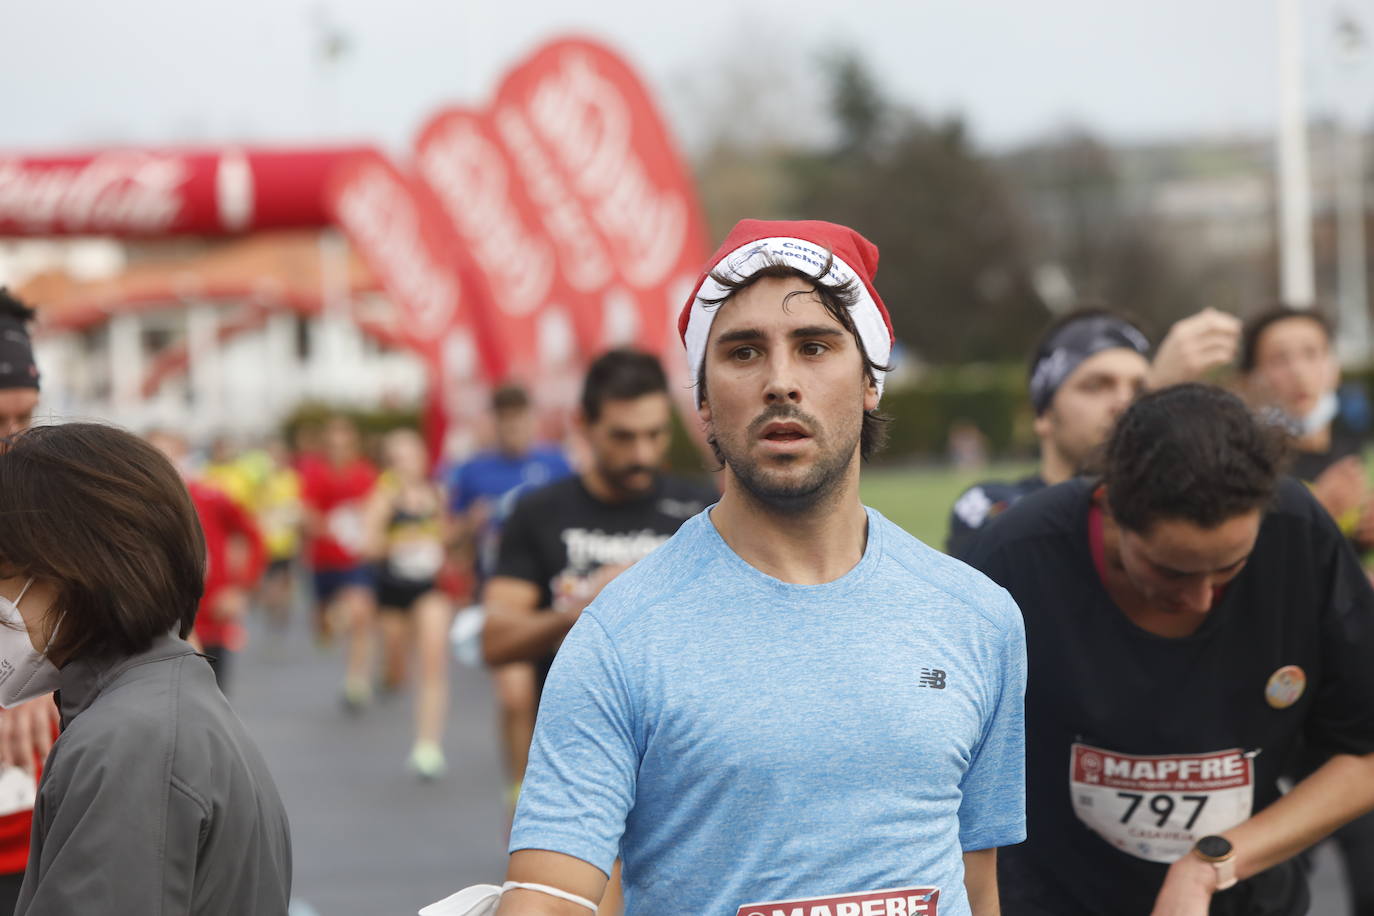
(919, 499)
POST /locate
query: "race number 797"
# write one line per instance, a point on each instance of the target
(1163, 806)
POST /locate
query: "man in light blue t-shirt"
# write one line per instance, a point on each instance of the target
(791, 708)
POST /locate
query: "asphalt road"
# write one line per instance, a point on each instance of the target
(370, 839)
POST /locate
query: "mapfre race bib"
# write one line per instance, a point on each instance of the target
(1157, 807)
(901, 901)
(416, 560)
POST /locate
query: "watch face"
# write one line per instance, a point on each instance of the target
(1214, 847)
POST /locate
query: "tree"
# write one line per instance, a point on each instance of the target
(1086, 221)
(955, 272)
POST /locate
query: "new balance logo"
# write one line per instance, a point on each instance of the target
(932, 677)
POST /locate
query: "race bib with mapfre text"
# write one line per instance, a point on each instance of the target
(1155, 808)
(900, 901)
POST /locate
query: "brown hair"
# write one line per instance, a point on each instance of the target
(622, 374)
(1255, 328)
(1190, 452)
(509, 397)
(838, 299)
(104, 516)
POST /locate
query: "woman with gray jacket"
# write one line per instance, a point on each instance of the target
(154, 798)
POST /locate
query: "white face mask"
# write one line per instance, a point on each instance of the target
(1319, 416)
(25, 672)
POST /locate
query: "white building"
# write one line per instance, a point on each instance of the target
(208, 338)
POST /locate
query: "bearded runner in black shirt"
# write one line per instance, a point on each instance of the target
(1188, 620)
(569, 543)
(562, 543)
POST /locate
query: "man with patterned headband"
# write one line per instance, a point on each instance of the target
(792, 705)
(1088, 366)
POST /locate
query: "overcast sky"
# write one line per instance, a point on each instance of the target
(83, 72)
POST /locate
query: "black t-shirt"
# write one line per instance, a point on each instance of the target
(1345, 442)
(1103, 694)
(980, 504)
(559, 535)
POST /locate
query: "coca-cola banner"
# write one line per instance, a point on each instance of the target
(155, 193)
(577, 110)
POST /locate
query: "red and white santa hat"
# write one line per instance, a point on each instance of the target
(806, 245)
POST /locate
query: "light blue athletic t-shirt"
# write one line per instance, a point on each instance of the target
(737, 739)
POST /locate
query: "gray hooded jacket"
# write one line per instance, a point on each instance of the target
(154, 800)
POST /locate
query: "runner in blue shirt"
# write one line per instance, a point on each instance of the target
(482, 491)
(792, 706)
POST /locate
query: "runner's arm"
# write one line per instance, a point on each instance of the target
(464, 525)
(1193, 347)
(980, 880)
(539, 866)
(516, 630)
(466, 513)
(1338, 792)
(375, 517)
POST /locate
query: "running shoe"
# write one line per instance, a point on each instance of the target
(427, 760)
(357, 696)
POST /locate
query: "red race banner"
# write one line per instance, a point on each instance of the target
(406, 241)
(531, 316)
(557, 222)
(579, 112)
(132, 192)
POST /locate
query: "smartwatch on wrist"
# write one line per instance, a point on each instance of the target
(1218, 852)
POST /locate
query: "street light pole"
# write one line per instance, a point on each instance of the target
(1295, 199)
(1353, 340)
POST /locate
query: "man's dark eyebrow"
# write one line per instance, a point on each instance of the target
(1180, 573)
(818, 330)
(740, 335)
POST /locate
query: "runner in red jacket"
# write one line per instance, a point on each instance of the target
(230, 575)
